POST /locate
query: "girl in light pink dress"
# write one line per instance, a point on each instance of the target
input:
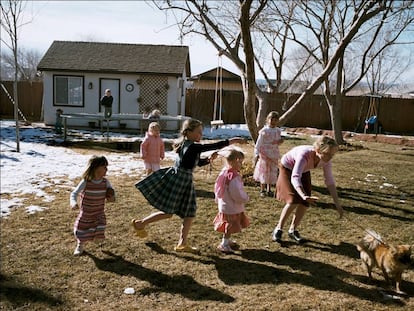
(267, 154)
(231, 198)
(152, 148)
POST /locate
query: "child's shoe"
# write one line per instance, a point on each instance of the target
(263, 193)
(185, 248)
(270, 194)
(226, 249)
(277, 235)
(141, 233)
(78, 250)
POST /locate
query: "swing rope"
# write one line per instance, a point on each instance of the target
(218, 94)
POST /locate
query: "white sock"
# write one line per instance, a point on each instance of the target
(225, 242)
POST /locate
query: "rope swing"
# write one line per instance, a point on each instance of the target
(218, 95)
(371, 118)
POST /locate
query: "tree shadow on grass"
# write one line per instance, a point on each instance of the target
(183, 285)
(382, 204)
(234, 271)
(19, 295)
(343, 249)
(307, 273)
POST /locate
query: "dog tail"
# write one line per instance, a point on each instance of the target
(371, 241)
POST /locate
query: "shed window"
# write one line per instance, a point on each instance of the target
(68, 91)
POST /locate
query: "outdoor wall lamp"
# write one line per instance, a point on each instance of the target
(90, 85)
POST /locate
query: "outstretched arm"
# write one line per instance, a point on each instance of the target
(334, 194)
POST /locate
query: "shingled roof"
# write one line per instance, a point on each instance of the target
(116, 58)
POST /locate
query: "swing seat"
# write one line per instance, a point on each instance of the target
(216, 122)
(371, 120)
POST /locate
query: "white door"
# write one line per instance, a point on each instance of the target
(113, 85)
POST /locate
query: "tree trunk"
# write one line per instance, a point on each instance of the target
(249, 78)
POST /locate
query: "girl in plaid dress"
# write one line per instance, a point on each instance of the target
(171, 190)
(92, 191)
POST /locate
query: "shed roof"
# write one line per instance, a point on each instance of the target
(116, 58)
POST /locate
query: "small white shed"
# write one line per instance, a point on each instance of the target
(141, 77)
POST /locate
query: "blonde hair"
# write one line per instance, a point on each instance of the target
(154, 125)
(231, 153)
(93, 164)
(272, 115)
(189, 125)
(324, 143)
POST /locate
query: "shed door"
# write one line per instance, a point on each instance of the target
(113, 85)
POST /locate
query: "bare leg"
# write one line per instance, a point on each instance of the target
(185, 229)
(286, 211)
(299, 213)
(157, 216)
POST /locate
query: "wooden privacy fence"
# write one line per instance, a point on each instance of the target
(30, 100)
(394, 114)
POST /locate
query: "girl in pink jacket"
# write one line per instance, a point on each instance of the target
(230, 197)
(152, 148)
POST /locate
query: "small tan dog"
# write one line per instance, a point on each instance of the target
(392, 260)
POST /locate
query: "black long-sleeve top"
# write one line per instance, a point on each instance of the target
(189, 155)
(106, 101)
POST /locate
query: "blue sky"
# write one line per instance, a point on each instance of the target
(109, 21)
(115, 21)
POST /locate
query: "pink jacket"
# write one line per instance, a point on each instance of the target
(152, 148)
(300, 159)
(229, 192)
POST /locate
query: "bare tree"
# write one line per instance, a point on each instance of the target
(11, 21)
(27, 65)
(228, 26)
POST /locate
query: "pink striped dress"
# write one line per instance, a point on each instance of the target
(91, 221)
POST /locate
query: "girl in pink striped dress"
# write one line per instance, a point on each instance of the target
(91, 192)
(267, 153)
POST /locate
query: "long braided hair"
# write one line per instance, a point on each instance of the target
(189, 125)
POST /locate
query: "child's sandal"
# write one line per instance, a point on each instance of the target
(141, 233)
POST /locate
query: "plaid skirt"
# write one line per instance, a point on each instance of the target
(170, 190)
(286, 192)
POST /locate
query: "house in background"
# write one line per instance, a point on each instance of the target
(141, 77)
(210, 79)
(215, 95)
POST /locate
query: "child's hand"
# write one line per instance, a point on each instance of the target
(213, 156)
(311, 200)
(110, 195)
